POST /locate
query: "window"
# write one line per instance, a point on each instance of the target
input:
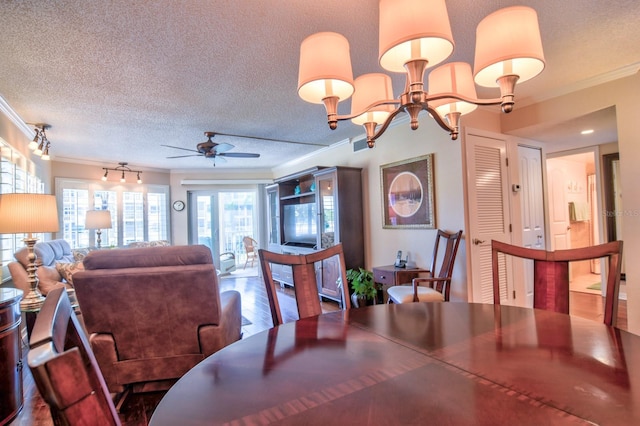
(138, 212)
(16, 175)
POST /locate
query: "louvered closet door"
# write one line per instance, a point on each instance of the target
(489, 215)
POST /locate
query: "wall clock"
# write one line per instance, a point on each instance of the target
(178, 205)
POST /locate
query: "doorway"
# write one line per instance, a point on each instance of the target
(575, 212)
(220, 219)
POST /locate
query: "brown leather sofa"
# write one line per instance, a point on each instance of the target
(153, 313)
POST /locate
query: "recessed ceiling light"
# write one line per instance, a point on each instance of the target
(586, 132)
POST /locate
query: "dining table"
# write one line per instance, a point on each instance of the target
(448, 363)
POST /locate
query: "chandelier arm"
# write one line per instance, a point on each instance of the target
(387, 122)
(456, 96)
(441, 122)
(368, 108)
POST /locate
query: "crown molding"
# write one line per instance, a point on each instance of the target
(597, 80)
(12, 115)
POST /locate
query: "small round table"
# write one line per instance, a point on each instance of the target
(440, 363)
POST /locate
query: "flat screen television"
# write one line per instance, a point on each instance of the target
(300, 224)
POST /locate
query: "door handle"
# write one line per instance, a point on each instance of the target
(477, 241)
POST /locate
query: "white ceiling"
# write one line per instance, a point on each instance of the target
(117, 79)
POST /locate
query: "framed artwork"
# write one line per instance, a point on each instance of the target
(407, 193)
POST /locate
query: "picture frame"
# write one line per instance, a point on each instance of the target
(408, 194)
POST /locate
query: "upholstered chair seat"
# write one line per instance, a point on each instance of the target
(404, 294)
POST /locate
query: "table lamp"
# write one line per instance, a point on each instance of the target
(29, 214)
(98, 220)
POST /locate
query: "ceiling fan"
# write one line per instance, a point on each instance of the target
(210, 149)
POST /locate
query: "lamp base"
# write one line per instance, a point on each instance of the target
(33, 301)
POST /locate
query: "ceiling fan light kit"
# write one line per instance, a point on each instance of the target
(415, 35)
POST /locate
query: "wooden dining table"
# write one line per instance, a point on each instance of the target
(416, 364)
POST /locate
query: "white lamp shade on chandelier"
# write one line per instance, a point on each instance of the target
(97, 219)
(454, 77)
(28, 213)
(412, 30)
(415, 35)
(325, 68)
(370, 88)
(508, 42)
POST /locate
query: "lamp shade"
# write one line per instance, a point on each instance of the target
(97, 219)
(325, 68)
(372, 88)
(508, 42)
(454, 77)
(413, 29)
(28, 213)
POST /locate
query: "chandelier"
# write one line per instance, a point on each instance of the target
(415, 35)
(124, 169)
(40, 144)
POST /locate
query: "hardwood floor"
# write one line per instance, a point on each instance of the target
(137, 409)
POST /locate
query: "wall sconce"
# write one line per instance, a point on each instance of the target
(124, 169)
(40, 144)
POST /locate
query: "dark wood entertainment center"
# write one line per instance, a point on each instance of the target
(334, 196)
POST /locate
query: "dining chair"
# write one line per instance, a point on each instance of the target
(250, 248)
(551, 274)
(438, 283)
(64, 368)
(306, 271)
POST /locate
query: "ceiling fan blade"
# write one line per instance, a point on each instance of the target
(222, 147)
(238, 154)
(183, 156)
(179, 147)
(267, 139)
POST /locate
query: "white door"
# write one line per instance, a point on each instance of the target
(490, 217)
(558, 207)
(532, 212)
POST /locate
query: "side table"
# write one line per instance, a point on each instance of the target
(388, 276)
(10, 354)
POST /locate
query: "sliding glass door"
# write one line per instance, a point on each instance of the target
(220, 219)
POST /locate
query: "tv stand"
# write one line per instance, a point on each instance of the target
(337, 192)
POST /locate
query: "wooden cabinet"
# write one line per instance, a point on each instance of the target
(10, 354)
(318, 208)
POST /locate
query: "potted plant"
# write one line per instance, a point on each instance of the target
(364, 289)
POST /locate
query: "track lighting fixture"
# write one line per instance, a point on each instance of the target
(40, 144)
(124, 169)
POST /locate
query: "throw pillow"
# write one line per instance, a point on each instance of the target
(80, 253)
(66, 270)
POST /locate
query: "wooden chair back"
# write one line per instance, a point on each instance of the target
(448, 260)
(305, 279)
(250, 248)
(64, 367)
(551, 274)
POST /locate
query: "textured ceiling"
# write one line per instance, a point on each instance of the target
(117, 79)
